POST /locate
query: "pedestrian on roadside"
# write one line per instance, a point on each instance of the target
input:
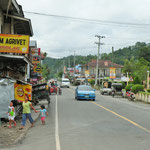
(27, 112)
(43, 112)
(11, 114)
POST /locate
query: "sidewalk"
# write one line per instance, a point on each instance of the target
(9, 137)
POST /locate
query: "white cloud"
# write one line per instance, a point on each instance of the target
(60, 37)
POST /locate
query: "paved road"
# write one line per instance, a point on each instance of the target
(106, 124)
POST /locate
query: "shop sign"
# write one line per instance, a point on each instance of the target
(87, 73)
(10, 43)
(36, 59)
(112, 73)
(37, 68)
(35, 51)
(21, 90)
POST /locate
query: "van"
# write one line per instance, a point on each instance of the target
(65, 83)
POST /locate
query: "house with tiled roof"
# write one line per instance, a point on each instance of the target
(105, 67)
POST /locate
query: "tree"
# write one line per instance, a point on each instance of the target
(129, 66)
(45, 71)
(145, 53)
(137, 80)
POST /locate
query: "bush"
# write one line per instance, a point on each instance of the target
(128, 87)
(148, 90)
(92, 82)
(137, 88)
(123, 85)
(137, 80)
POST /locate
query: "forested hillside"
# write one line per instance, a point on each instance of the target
(139, 50)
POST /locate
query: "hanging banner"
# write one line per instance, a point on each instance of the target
(21, 90)
(36, 59)
(112, 73)
(10, 43)
(38, 69)
(35, 51)
(87, 73)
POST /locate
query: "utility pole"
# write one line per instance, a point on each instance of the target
(112, 56)
(98, 56)
(68, 61)
(74, 62)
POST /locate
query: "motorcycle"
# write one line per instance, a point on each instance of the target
(130, 96)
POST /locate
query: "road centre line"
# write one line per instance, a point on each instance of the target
(130, 121)
(57, 126)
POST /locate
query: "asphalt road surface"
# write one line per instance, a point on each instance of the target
(106, 124)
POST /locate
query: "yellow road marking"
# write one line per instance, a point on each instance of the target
(132, 122)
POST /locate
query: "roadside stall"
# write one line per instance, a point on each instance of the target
(40, 92)
(7, 94)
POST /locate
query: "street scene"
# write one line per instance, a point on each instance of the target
(73, 77)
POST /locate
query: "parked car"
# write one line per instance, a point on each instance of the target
(106, 88)
(65, 83)
(85, 92)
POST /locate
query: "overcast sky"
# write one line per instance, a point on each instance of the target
(60, 37)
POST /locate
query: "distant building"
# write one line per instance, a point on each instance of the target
(105, 68)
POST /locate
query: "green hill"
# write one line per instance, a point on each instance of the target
(140, 49)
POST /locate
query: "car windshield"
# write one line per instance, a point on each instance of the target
(65, 81)
(85, 89)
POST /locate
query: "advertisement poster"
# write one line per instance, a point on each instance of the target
(87, 73)
(21, 90)
(35, 51)
(10, 43)
(37, 68)
(112, 73)
(36, 59)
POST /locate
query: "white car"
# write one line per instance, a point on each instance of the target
(65, 83)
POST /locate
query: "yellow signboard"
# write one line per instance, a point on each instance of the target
(38, 69)
(22, 90)
(87, 73)
(112, 73)
(11, 43)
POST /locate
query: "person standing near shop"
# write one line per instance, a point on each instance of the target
(27, 112)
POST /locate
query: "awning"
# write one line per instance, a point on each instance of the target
(22, 25)
(11, 5)
(17, 57)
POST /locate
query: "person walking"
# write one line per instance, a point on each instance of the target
(11, 115)
(27, 112)
(43, 112)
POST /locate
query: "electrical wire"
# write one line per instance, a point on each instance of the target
(95, 21)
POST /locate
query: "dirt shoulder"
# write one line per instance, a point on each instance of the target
(10, 137)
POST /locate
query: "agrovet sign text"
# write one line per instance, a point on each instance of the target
(10, 43)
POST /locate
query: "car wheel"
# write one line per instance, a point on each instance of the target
(93, 99)
(102, 93)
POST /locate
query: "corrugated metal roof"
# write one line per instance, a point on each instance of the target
(104, 64)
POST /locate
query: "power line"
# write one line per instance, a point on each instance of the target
(95, 21)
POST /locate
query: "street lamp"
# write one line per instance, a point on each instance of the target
(127, 78)
(147, 79)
